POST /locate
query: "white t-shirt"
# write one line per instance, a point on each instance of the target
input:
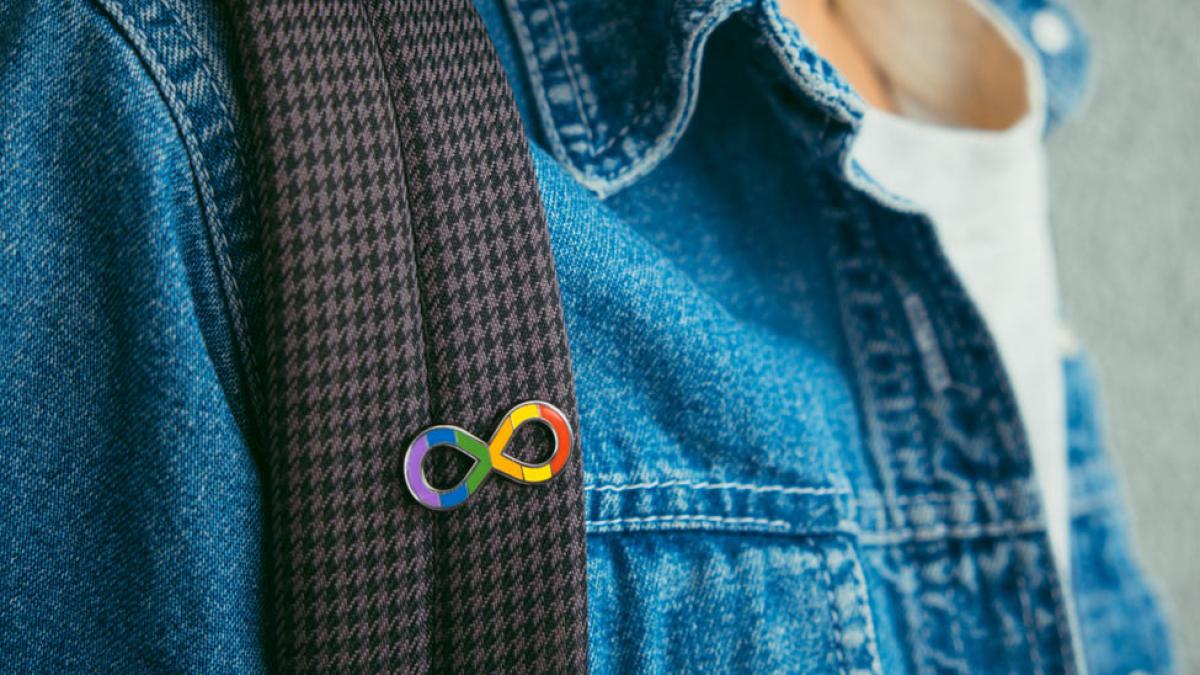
(985, 192)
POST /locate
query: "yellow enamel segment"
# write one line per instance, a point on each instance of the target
(496, 450)
(537, 474)
(526, 412)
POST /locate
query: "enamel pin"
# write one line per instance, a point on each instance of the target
(489, 457)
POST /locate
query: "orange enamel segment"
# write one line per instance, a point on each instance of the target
(496, 447)
(500, 438)
(562, 435)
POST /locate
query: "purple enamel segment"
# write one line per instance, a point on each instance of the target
(412, 473)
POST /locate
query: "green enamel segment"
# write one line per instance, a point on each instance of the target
(483, 462)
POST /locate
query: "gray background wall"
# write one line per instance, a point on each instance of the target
(1125, 179)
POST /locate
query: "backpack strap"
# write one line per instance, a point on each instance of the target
(408, 281)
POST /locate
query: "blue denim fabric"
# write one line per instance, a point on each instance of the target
(800, 452)
(1122, 628)
(128, 496)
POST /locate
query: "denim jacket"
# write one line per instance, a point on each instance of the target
(800, 451)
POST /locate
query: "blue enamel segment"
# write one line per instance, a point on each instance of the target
(454, 497)
(440, 436)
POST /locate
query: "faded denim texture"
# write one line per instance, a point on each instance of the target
(800, 453)
(128, 496)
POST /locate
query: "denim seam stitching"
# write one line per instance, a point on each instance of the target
(1030, 637)
(997, 529)
(158, 70)
(703, 485)
(1066, 647)
(875, 498)
(862, 610)
(1023, 489)
(678, 120)
(843, 101)
(235, 307)
(687, 518)
(827, 578)
(537, 79)
(717, 13)
(209, 78)
(584, 166)
(646, 109)
(955, 630)
(1005, 529)
(914, 616)
(569, 67)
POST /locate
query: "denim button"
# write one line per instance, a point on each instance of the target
(1050, 31)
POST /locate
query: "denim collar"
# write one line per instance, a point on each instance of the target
(616, 81)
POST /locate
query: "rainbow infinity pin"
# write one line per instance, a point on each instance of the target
(488, 457)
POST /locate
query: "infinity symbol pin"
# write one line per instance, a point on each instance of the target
(488, 457)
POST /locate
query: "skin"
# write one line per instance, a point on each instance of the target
(957, 69)
(829, 34)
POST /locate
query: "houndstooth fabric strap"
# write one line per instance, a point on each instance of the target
(408, 281)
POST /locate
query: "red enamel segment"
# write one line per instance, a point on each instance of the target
(562, 433)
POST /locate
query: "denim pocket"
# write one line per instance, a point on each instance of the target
(731, 577)
(726, 602)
